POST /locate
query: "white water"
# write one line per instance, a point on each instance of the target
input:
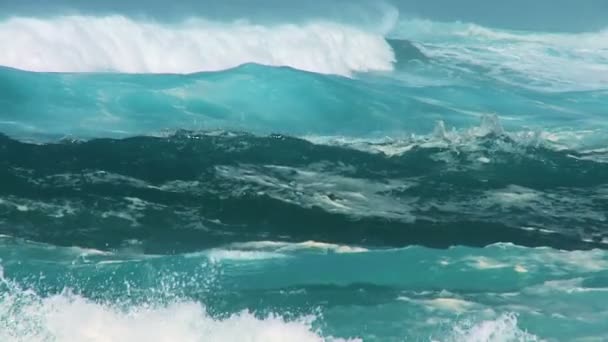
(502, 329)
(468, 139)
(67, 317)
(537, 60)
(116, 43)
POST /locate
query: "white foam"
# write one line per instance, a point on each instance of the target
(520, 269)
(485, 263)
(514, 195)
(314, 187)
(64, 318)
(467, 139)
(450, 304)
(55, 210)
(502, 329)
(296, 246)
(218, 255)
(116, 43)
(568, 286)
(546, 61)
(590, 261)
(544, 259)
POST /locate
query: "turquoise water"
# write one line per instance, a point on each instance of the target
(334, 171)
(324, 290)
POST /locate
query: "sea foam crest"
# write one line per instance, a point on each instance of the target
(117, 43)
(69, 317)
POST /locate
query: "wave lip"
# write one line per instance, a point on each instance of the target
(117, 43)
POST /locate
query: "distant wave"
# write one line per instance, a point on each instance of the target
(121, 44)
(537, 60)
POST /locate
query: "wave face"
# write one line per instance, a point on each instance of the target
(48, 106)
(335, 171)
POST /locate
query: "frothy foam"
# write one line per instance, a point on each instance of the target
(502, 329)
(471, 139)
(219, 255)
(116, 43)
(545, 61)
(68, 317)
(301, 246)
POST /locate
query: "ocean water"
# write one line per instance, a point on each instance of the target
(321, 171)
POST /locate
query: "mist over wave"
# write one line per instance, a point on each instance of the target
(561, 61)
(120, 44)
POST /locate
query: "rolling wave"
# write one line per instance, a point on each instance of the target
(536, 60)
(50, 106)
(189, 191)
(120, 44)
(40, 105)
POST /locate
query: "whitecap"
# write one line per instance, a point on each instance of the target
(68, 317)
(117, 43)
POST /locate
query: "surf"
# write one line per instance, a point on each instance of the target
(120, 44)
(333, 171)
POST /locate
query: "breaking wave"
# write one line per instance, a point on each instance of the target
(121, 44)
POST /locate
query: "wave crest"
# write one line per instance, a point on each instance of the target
(117, 43)
(67, 317)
